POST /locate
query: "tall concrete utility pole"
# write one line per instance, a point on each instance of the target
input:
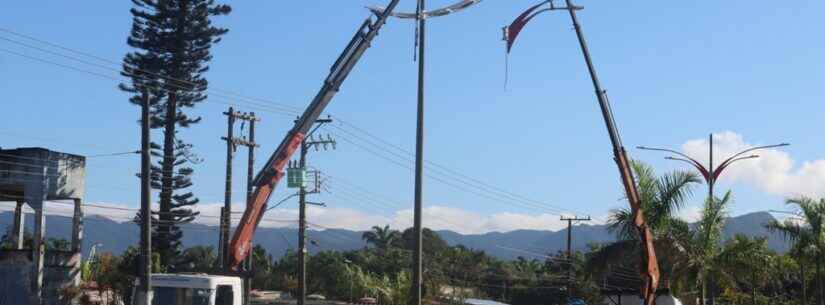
(570, 221)
(416, 290)
(145, 208)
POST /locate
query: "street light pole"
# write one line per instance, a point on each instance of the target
(417, 278)
(711, 173)
(712, 180)
(420, 16)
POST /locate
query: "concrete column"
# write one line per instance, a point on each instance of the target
(77, 226)
(77, 239)
(38, 252)
(18, 231)
(35, 194)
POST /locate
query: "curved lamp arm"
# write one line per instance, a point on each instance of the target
(736, 157)
(729, 161)
(757, 148)
(705, 173)
(701, 168)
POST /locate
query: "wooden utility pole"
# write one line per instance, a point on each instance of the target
(226, 212)
(231, 145)
(302, 204)
(570, 221)
(250, 175)
(145, 201)
(302, 232)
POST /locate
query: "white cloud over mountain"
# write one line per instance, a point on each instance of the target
(775, 172)
(435, 217)
(319, 218)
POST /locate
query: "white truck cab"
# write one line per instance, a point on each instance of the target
(196, 289)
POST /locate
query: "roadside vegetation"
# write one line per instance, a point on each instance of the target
(697, 263)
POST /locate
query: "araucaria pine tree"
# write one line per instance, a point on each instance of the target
(172, 41)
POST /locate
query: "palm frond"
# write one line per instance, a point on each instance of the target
(620, 223)
(790, 230)
(673, 190)
(713, 221)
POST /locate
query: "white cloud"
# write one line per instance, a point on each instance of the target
(774, 172)
(466, 222)
(116, 212)
(690, 213)
(319, 218)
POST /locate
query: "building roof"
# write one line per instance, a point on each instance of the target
(194, 280)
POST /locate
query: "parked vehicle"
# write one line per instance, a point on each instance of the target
(196, 289)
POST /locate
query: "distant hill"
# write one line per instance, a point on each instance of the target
(116, 237)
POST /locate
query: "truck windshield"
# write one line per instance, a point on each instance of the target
(181, 296)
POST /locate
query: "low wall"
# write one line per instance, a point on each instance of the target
(15, 267)
(60, 271)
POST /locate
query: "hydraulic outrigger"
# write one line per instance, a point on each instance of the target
(268, 178)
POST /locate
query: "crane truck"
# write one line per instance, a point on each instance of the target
(205, 289)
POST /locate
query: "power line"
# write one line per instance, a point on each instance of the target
(476, 182)
(285, 109)
(442, 180)
(371, 151)
(285, 106)
(118, 79)
(451, 176)
(114, 154)
(367, 198)
(448, 169)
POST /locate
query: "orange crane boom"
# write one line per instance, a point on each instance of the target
(268, 177)
(649, 268)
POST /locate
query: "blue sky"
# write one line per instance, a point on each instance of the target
(674, 72)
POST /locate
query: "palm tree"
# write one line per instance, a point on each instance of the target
(661, 198)
(808, 233)
(744, 257)
(708, 238)
(804, 255)
(381, 238)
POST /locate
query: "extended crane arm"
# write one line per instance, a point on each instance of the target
(268, 177)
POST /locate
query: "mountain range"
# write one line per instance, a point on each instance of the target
(116, 236)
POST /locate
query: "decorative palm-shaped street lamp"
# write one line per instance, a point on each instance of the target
(710, 173)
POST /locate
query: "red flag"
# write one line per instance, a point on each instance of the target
(512, 31)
